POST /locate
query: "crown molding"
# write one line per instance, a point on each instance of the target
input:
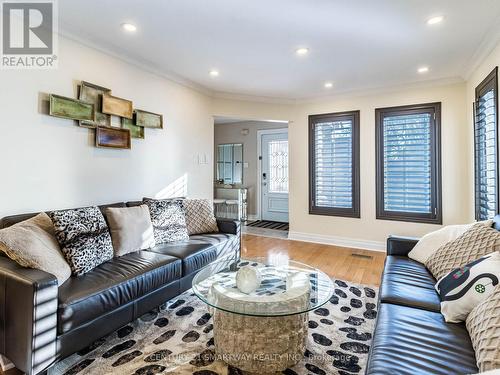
(253, 98)
(143, 65)
(149, 67)
(487, 45)
(383, 90)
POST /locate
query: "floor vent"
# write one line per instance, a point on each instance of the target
(362, 256)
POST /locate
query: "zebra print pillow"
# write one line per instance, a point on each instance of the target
(169, 220)
(84, 238)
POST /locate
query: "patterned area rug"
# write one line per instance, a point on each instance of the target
(178, 339)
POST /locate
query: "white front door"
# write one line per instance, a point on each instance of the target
(274, 177)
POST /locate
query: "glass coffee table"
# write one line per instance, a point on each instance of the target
(266, 330)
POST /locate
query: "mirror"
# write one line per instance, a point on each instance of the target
(230, 163)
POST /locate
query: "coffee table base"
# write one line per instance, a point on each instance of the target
(260, 344)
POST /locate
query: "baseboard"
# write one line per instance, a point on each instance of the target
(252, 217)
(337, 241)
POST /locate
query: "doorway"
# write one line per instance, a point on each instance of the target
(273, 175)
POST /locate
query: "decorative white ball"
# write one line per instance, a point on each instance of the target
(248, 279)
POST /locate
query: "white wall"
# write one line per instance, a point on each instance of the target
(231, 133)
(367, 231)
(50, 163)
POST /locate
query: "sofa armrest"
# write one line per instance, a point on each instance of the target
(397, 245)
(28, 316)
(229, 226)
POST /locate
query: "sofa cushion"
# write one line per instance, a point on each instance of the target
(481, 239)
(416, 341)
(169, 221)
(200, 216)
(131, 229)
(32, 243)
(84, 237)
(113, 284)
(483, 324)
(194, 254)
(224, 243)
(407, 282)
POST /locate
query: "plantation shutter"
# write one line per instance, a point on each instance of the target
(334, 143)
(486, 150)
(408, 179)
(407, 163)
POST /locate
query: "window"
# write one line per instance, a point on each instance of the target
(334, 164)
(408, 154)
(486, 147)
(278, 166)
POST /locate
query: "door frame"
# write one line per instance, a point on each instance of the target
(258, 195)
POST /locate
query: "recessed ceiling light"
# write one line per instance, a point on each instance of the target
(423, 69)
(435, 20)
(328, 85)
(129, 27)
(214, 73)
(302, 51)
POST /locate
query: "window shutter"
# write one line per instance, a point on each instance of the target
(486, 148)
(407, 163)
(335, 168)
(408, 157)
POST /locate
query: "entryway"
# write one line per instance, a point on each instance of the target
(273, 146)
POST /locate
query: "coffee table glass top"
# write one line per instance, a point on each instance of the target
(287, 287)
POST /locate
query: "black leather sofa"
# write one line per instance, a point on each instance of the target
(41, 323)
(411, 336)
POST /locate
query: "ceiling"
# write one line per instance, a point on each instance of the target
(356, 45)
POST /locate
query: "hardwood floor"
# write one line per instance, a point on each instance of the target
(359, 266)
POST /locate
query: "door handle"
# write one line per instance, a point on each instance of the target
(264, 176)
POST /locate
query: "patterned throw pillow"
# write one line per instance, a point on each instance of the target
(481, 239)
(464, 288)
(169, 221)
(84, 238)
(483, 324)
(200, 216)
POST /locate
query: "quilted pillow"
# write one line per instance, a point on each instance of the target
(84, 238)
(483, 324)
(466, 287)
(200, 216)
(481, 239)
(169, 221)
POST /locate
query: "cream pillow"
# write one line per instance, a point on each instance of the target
(131, 229)
(431, 242)
(32, 243)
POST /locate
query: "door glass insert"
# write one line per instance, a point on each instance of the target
(278, 166)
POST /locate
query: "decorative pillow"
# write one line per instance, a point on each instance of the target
(432, 241)
(169, 221)
(200, 216)
(483, 324)
(481, 239)
(84, 238)
(464, 288)
(131, 229)
(32, 243)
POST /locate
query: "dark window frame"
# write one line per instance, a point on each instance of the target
(355, 211)
(490, 82)
(434, 217)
